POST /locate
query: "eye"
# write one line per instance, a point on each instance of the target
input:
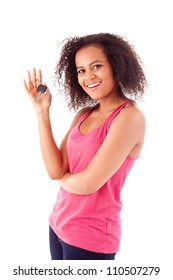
(80, 71)
(96, 66)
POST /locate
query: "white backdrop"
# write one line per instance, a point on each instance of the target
(30, 32)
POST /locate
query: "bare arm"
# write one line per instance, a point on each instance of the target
(125, 137)
(55, 158)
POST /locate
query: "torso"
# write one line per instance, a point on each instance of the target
(94, 120)
(97, 118)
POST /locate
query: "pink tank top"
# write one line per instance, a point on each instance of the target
(91, 222)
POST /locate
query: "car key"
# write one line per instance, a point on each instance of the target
(41, 89)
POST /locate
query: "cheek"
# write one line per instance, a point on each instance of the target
(80, 81)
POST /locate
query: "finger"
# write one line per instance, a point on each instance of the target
(34, 79)
(25, 86)
(30, 84)
(40, 76)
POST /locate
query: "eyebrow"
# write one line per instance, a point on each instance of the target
(95, 61)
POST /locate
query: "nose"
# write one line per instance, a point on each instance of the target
(89, 75)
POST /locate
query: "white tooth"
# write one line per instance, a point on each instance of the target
(93, 85)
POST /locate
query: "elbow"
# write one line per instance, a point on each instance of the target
(54, 178)
(56, 175)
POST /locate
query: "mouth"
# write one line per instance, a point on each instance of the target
(91, 86)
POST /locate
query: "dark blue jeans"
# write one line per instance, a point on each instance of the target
(60, 250)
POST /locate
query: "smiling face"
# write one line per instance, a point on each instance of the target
(95, 72)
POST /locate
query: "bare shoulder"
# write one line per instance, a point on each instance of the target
(132, 112)
(81, 112)
(77, 116)
(130, 116)
(75, 120)
(129, 125)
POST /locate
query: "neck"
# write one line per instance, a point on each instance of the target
(110, 105)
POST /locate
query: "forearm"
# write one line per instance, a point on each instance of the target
(51, 154)
(79, 183)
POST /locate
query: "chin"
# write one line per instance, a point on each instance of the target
(96, 96)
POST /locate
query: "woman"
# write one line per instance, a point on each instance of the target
(101, 76)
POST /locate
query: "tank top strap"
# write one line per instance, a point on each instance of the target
(117, 111)
(83, 117)
(109, 119)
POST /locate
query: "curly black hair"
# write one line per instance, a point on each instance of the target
(126, 67)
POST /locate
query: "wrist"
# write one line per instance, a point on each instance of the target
(43, 115)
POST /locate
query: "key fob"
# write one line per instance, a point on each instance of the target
(41, 88)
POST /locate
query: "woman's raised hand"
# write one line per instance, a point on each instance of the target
(42, 103)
